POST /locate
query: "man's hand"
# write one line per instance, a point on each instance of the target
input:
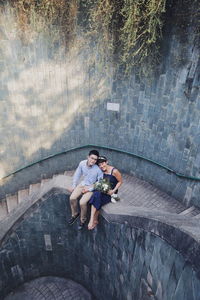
(85, 190)
(70, 189)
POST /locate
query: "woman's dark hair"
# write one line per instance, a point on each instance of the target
(94, 152)
(101, 159)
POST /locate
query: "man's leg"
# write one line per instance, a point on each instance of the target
(73, 200)
(83, 205)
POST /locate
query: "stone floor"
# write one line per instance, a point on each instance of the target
(139, 198)
(139, 193)
(50, 288)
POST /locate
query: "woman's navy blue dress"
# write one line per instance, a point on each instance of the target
(98, 198)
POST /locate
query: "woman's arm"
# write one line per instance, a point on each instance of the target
(118, 175)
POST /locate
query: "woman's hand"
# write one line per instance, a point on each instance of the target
(110, 192)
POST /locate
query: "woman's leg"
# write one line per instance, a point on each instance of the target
(96, 217)
(92, 217)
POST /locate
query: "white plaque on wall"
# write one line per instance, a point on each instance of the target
(113, 106)
(86, 122)
(47, 240)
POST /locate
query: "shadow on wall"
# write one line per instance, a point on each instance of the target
(46, 94)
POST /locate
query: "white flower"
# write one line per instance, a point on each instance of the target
(103, 185)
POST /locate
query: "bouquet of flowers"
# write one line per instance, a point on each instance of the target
(103, 185)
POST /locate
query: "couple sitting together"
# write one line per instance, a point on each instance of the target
(93, 170)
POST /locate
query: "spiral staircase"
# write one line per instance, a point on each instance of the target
(141, 205)
(135, 194)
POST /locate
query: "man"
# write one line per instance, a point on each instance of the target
(91, 173)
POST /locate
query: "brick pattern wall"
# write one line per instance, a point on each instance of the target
(116, 261)
(51, 100)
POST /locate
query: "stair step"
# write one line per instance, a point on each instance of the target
(45, 181)
(22, 195)
(197, 216)
(3, 209)
(63, 181)
(55, 175)
(12, 202)
(188, 211)
(34, 188)
(69, 173)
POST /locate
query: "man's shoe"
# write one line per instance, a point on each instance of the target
(73, 219)
(81, 225)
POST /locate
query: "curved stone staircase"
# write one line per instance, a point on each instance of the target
(11, 202)
(142, 206)
(137, 198)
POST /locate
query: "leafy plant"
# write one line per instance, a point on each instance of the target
(131, 29)
(123, 32)
(57, 18)
(141, 33)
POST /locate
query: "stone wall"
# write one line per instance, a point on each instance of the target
(52, 99)
(116, 261)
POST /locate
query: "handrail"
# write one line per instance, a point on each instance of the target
(106, 148)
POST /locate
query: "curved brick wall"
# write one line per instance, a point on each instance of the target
(121, 260)
(51, 100)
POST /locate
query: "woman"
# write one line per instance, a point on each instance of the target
(98, 198)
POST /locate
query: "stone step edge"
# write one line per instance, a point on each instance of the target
(183, 222)
(41, 182)
(61, 182)
(187, 210)
(181, 232)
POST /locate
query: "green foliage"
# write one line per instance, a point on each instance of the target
(141, 32)
(57, 18)
(129, 30)
(126, 32)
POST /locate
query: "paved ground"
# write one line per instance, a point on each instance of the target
(136, 192)
(50, 288)
(139, 193)
(137, 197)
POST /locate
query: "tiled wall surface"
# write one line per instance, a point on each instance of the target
(52, 100)
(116, 261)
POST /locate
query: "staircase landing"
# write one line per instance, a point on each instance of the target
(137, 198)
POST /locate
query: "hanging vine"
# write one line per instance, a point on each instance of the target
(101, 31)
(130, 28)
(141, 33)
(124, 32)
(57, 18)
